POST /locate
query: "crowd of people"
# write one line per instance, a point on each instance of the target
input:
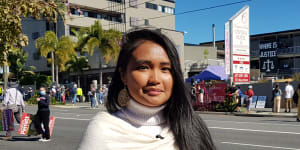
(290, 96)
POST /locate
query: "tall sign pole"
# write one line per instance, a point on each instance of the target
(237, 47)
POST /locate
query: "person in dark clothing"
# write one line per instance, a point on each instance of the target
(43, 115)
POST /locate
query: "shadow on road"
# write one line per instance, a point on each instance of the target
(21, 138)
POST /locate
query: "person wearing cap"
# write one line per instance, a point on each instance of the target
(30, 93)
(13, 96)
(249, 93)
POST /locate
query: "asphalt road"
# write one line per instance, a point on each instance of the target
(248, 133)
(229, 132)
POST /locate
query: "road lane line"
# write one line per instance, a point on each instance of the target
(277, 124)
(251, 130)
(73, 113)
(265, 146)
(72, 118)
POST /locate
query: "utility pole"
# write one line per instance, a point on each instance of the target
(5, 73)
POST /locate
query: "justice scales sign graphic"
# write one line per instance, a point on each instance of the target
(268, 57)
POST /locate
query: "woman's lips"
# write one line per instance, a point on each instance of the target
(153, 92)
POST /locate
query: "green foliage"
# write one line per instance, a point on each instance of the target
(296, 76)
(263, 81)
(95, 37)
(11, 13)
(43, 80)
(77, 64)
(230, 103)
(32, 100)
(17, 60)
(63, 48)
(205, 53)
(53, 101)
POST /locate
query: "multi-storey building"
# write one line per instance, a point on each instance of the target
(275, 54)
(122, 15)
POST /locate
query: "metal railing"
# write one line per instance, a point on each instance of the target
(280, 51)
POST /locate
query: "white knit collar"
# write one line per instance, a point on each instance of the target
(141, 115)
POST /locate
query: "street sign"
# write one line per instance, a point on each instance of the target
(261, 101)
(268, 57)
(237, 43)
(253, 103)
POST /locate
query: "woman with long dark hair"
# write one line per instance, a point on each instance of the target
(277, 98)
(148, 104)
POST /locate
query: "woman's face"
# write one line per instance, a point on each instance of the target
(148, 75)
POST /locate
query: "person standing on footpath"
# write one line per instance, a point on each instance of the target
(249, 93)
(92, 95)
(74, 94)
(288, 95)
(298, 92)
(277, 98)
(240, 96)
(13, 96)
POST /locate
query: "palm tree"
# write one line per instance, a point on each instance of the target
(17, 60)
(107, 41)
(63, 49)
(46, 45)
(77, 65)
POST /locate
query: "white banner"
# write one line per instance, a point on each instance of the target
(227, 47)
(239, 29)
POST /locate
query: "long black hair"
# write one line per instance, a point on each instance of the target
(189, 129)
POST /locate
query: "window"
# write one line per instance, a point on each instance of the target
(159, 8)
(35, 35)
(172, 1)
(133, 21)
(36, 56)
(146, 22)
(133, 3)
(86, 14)
(151, 6)
(166, 9)
(99, 16)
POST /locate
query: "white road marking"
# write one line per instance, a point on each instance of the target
(71, 118)
(277, 124)
(265, 146)
(73, 113)
(251, 130)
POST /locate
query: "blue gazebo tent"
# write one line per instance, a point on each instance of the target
(210, 73)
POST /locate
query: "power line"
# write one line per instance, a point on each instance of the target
(192, 11)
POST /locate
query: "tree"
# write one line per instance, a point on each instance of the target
(11, 13)
(77, 65)
(107, 41)
(62, 48)
(17, 60)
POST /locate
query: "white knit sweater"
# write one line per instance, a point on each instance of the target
(132, 128)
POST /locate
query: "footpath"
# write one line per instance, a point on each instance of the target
(257, 112)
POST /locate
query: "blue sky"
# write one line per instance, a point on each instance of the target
(265, 16)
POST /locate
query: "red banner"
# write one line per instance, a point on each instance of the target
(24, 124)
(27, 120)
(241, 77)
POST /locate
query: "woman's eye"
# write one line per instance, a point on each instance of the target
(166, 69)
(142, 67)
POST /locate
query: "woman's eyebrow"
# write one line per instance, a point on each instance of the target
(149, 62)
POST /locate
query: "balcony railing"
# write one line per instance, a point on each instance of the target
(281, 51)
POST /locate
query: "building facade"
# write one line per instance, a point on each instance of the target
(197, 58)
(275, 54)
(121, 15)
